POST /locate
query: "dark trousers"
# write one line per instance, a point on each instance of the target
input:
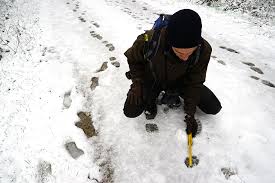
(209, 103)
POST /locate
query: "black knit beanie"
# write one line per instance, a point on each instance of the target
(184, 29)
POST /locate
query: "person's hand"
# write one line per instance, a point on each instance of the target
(191, 125)
(135, 94)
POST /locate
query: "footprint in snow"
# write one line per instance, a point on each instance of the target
(113, 62)
(45, 172)
(94, 83)
(103, 67)
(86, 124)
(268, 83)
(151, 128)
(249, 64)
(67, 101)
(96, 25)
(256, 69)
(229, 49)
(228, 172)
(81, 19)
(95, 35)
(255, 77)
(73, 150)
(265, 82)
(221, 62)
(112, 58)
(116, 64)
(110, 46)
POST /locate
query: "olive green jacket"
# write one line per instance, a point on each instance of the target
(170, 71)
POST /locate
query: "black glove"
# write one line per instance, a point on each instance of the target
(135, 93)
(191, 125)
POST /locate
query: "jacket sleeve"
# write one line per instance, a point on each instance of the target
(194, 81)
(135, 58)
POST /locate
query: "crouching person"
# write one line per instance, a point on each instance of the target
(177, 66)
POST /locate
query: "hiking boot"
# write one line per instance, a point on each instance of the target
(172, 101)
(150, 111)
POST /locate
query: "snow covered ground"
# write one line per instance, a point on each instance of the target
(46, 85)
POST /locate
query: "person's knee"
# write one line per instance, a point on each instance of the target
(209, 103)
(132, 111)
(213, 109)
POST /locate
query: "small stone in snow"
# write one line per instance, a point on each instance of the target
(73, 150)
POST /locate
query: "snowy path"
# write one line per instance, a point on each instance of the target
(76, 38)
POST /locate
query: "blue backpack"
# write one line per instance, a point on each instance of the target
(151, 46)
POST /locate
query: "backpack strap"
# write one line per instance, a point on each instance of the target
(151, 45)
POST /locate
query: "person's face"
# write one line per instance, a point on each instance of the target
(184, 53)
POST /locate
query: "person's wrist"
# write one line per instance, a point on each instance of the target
(189, 116)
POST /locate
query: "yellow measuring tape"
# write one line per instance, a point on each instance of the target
(190, 149)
